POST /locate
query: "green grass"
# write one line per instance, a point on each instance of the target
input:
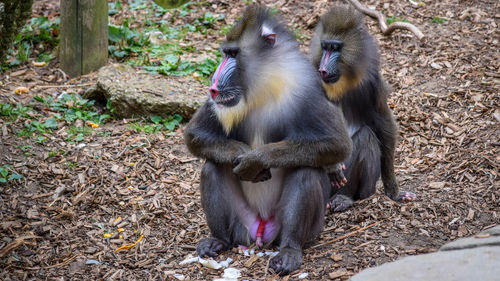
(26, 149)
(438, 20)
(390, 20)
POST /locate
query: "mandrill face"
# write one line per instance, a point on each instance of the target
(226, 89)
(329, 69)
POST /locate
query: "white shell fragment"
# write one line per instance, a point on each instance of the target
(210, 263)
(303, 275)
(231, 273)
(226, 262)
(90, 261)
(272, 254)
(189, 260)
(179, 276)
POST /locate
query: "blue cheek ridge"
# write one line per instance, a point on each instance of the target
(226, 72)
(332, 61)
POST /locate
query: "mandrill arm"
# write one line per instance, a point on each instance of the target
(206, 139)
(287, 154)
(308, 144)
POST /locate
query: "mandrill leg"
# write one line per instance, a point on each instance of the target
(301, 213)
(363, 171)
(227, 212)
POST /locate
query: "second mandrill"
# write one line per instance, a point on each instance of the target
(347, 59)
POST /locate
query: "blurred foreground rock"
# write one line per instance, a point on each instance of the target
(132, 93)
(474, 258)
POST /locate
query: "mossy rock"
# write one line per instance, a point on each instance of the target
(135, 93)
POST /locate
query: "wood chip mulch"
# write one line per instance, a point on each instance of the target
(446, 101)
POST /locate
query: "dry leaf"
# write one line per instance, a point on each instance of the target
(21, 90)
(39, 64)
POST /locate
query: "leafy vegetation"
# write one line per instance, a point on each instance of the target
(169, 123)
(390, 20)
(140, 39)
(156, 45)
(12, 112)
(13, 16)
(71, 107)
(7, 175)
(66, 109)
(438, 20)
(39, 37)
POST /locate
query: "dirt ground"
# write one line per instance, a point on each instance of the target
(446, 101)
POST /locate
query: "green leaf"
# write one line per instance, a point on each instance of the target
(4, 172)
(15, 177)
(51, 123)
(156, 119)
(177, 117)
(79, 137)
(3, 180)
(170, 4)
(438, 20)
(45, 57)
(41, 139)
(171, 59)
(114, 33)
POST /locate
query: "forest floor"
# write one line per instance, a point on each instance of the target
(78, 184)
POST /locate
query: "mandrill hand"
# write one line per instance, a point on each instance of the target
(249, 167)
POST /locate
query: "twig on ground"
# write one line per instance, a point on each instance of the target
(15, 244)
(54, 265)
(347, 235)
(387, 30)
(63, 86)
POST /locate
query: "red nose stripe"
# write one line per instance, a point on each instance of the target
(214, 85)
(324, 62)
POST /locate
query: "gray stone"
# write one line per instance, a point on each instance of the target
(134, 93)
(471, 242)
(464, 265)
(494, 231)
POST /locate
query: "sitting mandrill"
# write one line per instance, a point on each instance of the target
(347, 59)
(265, 132)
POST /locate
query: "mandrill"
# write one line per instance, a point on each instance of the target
(347, 59)
(265, 132)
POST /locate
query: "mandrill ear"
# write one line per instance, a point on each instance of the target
(270, 39)
(269, 36)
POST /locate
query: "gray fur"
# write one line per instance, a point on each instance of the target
(268, 161)
(364, 104)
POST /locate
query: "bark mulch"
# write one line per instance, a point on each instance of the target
(446, 101)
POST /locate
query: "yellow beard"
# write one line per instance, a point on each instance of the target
(336, 90)
(269, 91)
(229, 116)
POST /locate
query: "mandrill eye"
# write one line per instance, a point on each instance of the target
(231, 51)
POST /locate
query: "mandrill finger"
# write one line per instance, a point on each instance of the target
(263, 175)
